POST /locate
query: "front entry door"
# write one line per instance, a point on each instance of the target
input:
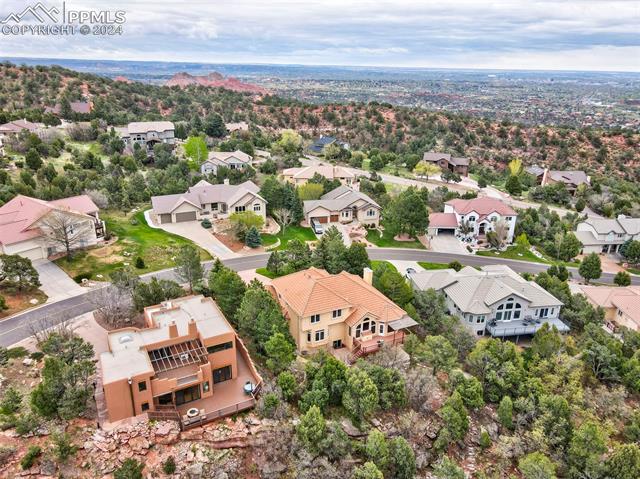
(221, 374)
(337, 344)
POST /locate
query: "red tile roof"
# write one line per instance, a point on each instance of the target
(443, 220)
(482, 206)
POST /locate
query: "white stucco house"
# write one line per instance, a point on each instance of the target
(480, 214)
(605, 235)
(343, 205)
(234, 160)
(495, 300)
(26, 225)
(204, 200)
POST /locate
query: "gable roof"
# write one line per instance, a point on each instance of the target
(224, 156)
(606, 225)
(17, 126)
(443, 220)
(603, 296)
(475, 291)
(483, 206)
(338, 199)
(314, 291)
(204, 192)
(433, 157)
(328, 171)
(570, 177)
(147, 126)
(18, 216)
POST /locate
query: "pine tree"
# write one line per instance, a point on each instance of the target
(252, 238)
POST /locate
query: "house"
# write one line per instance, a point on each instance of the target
(343, 205)
(187, 363)
(334, 311)
(621, 305)
(446, 162)
(26, 225)
(80, 107)
(204, 200)
(495, 300)
(479, 215)
(572, 179)
(239, 126)
(605, 235)
(299, 176)
(234, 160)
(149, 133)
(16, 126)
(321, 143)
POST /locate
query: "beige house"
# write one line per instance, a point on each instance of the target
(29, 226)
(571, 179)
(204, 200)
(343, 205)
(606, 235)
(299, 176)
(234, 160)
(335, 311)
(621, 305)
(187, 364)
(149, 133)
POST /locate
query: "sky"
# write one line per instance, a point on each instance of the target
(504, 34)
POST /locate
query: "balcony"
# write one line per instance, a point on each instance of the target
(362, 348)
(521, 327)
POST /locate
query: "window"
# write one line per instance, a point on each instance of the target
(240, 209)
(219, 347)
(365, 325)
(480, 332)
(373, 326)
(508, 218)
(358, 330)
(543, 312)
(142, 386)
(257, 207)
(315, 318)
(337, 313)
(345, 213)
(381, 329)
(480, 319)
(371, 212)
(187, 395)
(308, 336)
(221, 374)
(205, 386)
(472, 219)
(145, 406)
(320, 335)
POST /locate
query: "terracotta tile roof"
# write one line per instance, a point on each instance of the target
(18, 215)
(443, 220)
(482, 206)
(630, 306)
(314, 291)
(328, 171)
(604, 295)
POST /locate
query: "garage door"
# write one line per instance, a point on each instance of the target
(334, 218)
(188, 216)
(446, 231)
(166, 218)
(33, 253)
(321, 219)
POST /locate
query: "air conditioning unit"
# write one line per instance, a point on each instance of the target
(184, 356)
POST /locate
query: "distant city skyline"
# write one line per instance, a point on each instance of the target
(577, 35)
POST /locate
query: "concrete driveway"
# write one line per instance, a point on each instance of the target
(200, 236)
(447, 244)
(56, 284)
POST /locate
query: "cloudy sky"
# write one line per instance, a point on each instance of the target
(506, 34)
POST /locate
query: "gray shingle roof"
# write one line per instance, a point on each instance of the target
(338, 199)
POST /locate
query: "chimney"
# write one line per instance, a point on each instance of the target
(173, 330)
(226, 181)
(193, 330)
(367, 275)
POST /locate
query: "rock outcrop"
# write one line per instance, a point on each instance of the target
(214, 80)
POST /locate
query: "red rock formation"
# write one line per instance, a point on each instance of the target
(123, 79)
(214, 80)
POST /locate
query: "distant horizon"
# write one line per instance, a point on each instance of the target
(51, 60)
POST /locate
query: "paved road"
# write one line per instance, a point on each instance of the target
(18, 327)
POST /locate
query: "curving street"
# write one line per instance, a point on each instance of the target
(18, 327)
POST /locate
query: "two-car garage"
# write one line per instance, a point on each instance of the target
(179, 217)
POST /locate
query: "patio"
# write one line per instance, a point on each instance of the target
(521, 327)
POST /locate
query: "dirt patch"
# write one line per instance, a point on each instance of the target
(403, 237)
(136, 321)
(20, 300)
(230, 241)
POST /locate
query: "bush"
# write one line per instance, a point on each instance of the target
(79, 277)
(63, 448)
(4, 356)
(270, 403)
(26, 424)
(3, 303)
(485, 440)
(130, 469)
(133, 222)
(18, 352)
(139, 263)
(169, 466)
(206, 223)
(37, 355)
(455, 265)
(11, 401)
(30, 457)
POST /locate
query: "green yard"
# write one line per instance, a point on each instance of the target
(376, 263)
(387, 241)
(523, 254)
(290, 233)
(135, 239)
(429, 266)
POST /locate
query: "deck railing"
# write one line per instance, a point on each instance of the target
(218, 413)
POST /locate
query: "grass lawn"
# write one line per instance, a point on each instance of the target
(290, 233)
(386, 240)
(266, 272)
(376, 263)
(518, 253)
(427, 265)
(155, 246)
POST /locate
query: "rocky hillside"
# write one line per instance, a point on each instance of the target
(214, 80)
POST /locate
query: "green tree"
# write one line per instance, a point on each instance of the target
(590, 267)
(469, 388)
(33, 160)
(367, 471)
(499, 367)
(18, 272)
(290, 141)
(425, 170)
(288, 385)
(570, 247)
(357, 258)
(631, 252)
(312, 428)
(402, 460)
(513, 186)
(622, 278)
(588, 444)
(505, 412)
(310, 191)
(11, 401)
(214, 126)
(360, 397)
(624, 462)
(389, 282)
(537, 466)
(130, 469)
(188, 267)
(448, 469)
(63, 447)
(155, 292)
(195, 148)
(407, 214)
(377, 448)
(546, 342)
(258, 315)
(280, 352)
(432, 310)
(227, 288)
(253, 239)
(456, 421)
(439, 353)
(243, 222)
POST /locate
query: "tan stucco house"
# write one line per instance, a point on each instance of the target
(335, 311)
(186, 364)
(299, 176)
(621, 305)
(343, 205)
(25, 225)
(204, 200)
(149, 133)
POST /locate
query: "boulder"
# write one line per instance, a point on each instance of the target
(350, 429)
